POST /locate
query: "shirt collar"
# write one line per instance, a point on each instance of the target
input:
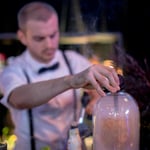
(36, 65)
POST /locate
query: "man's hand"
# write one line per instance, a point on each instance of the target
(97, 77)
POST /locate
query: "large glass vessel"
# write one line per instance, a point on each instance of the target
(116, 123)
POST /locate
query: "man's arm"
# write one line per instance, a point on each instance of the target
(35, 94)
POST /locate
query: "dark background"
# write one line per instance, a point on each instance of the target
(112, 10)
(129, 18)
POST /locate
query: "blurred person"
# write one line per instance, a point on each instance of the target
(45, 97)
(136, 82)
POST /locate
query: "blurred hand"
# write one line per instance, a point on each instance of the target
(97, 77)
(93, 98)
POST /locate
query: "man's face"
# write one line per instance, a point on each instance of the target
(42, 38)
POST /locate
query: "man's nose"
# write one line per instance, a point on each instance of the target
(49, 42)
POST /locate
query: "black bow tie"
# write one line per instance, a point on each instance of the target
(51, 68)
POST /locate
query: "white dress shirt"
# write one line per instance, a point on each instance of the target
(51, 120)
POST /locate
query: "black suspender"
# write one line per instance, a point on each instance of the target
(31, 126)
(74, 92)
(30, 115)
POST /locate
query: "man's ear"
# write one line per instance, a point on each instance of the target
(21, 37)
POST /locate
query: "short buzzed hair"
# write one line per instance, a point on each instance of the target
(39, 11)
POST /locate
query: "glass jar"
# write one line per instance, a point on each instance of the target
(117, 123)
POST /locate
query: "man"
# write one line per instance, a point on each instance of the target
(25, 86)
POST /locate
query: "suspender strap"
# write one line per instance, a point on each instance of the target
(74, 92)
(32, 140)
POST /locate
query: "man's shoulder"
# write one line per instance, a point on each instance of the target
(76, 58)
(14, 64)
(73, 53)
(15, 61)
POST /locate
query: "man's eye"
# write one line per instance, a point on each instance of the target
(38, 38)
(52, 36)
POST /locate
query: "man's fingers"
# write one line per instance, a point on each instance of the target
(108, 83)
(114, 75)
(113, 79)
(96, 85)
(100, 77)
